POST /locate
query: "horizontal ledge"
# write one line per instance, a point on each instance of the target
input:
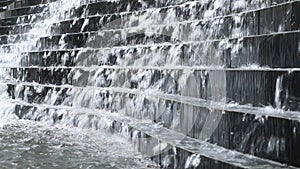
(206, 149)
(3, 13)
(90, 3)
(96, 112)
(179, 140)
(24, 7)
(102, 15)
(149, 9)
(153, 45)
(175, 67)
(257, 111)
(39, 5)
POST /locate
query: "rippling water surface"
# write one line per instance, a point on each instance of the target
(27, 144)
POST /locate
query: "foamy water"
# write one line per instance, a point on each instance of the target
(27, 144)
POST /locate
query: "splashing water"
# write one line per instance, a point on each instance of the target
(25, 144)
(53, 142)
(150, 80)
(278, 91)
(193, 161)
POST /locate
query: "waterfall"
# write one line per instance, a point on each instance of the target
(204, 78)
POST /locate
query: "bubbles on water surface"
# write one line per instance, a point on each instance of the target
(36, 145)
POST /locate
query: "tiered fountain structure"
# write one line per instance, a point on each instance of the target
(194, 84)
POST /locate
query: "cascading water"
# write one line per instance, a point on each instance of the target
(42, 145)
(190, 82)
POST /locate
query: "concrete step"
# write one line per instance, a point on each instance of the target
(148, 137)
(230, 23)
(234, 52)
(165, 81)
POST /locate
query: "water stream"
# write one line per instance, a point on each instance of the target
(27, 144)
(31, 144)
(68, 71)
(47, 143)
